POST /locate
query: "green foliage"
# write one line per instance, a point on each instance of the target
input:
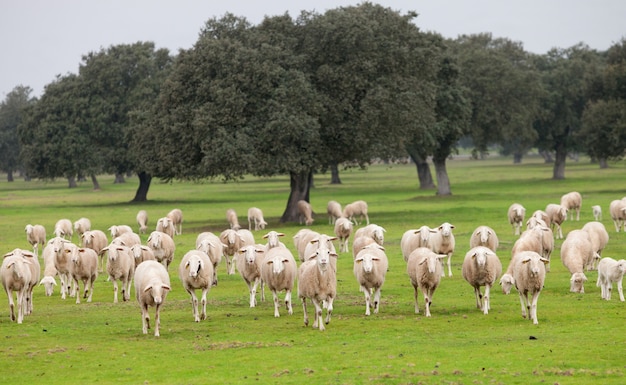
(11, 115)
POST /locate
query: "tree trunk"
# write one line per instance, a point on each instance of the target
(443, 182)
(94, 180)
(560, 156)
(119, 178)
(334, 174)
(517, 158)
(424, 175)
(603, 163)
(144, 185)
(9, 176)
(300, 184)
(71, 181)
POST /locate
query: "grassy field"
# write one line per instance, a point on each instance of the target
(579, 338)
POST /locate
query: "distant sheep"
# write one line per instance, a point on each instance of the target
(49, 272)
(557, 215)
(317, 280)
(142, 221)
(249, 260)
(120, 267)
(443, 242)
(273, 239)
(599, 238)
(213, 247)
(516, 215)
(412, 239)
(196, 273)
(484, 236)
(35, 236)
(152, 283)
(176, 216)
(576, 252)
(529, 274)
(127, 239)
(162, 246)
(481, 267)
(609, 271)
(166, 225)
(617, 209)
(278, 272)
(233, 240)
(425, 270)
(334, 212)
(572, 201)
(141, 253)
(84, 267)
(356, 209)
(370, 267)
(82, 225)
(15, 275)
(343, 230)
(255, 215)
(65, 250)
(541, 216)
(63, 229)
(305, 212)
(233, 221)
(97, 241)
(597, 212)
(117, 230)
(376, 232)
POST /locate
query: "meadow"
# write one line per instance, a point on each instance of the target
(579, 339)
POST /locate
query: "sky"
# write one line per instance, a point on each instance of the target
(40, 39)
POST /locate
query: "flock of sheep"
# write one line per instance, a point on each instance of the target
(425, 250)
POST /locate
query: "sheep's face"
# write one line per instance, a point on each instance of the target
(424, 233)
(48, 283)
(507, 283)
(576, 283)
(249, 255)
(621, 266)
(484, 235)
(278, 264)
(366, 261)
(194, 265)
(446, 229)
(480, 257)
(157, 292)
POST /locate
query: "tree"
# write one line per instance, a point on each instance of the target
(604, 130)
(11, 115)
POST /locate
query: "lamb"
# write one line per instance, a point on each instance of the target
(425, 270)
(16, 275)
(609, 271)
(516, 215)
(481, 267)
(278, 272)
(334, 212)
(343, 230)
(370, 267)
(176, 216)
(617, 209)
(572, 201)
(305, 212)
(196, 273)
(152, 283)
(165, 225)
(318, 282)
(35, 235)
(63, 229)
(576, 252)
(442, 242)
(597, 212)
(213, 247)
(354, 209)
(162, 246)
(231, 217)
(117, 230)
(412, 239)
(233, 240)
(249, 266)
(529, 274)
(142, 221)
(97, 241)
(120, 266)
(34, 267)
(557, 214)
(84, 267)
(302, 238)
(256, 215)
(376, 232)
(599, 237)
(49, 271)
(141, 253)
(484, 236)
(82, 225)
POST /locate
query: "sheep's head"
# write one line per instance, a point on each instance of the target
(157, 292)
(278, 263)
(507, 283)
(272, 238)
(432, 262)
(621, 266)
(366, 260)
(576, 283)
(48, 283)
(446, 229)
(194, 265)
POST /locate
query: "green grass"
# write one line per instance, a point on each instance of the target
(579, 338)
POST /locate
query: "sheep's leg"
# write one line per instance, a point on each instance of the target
(157, 320)
(318, 315)
(252, 290)
(620, 290)
(20, 305)
(450, 265)
(288, 302)
(367, 218)
(276, 303)
(214, 275)
(609, 290)
(306, 316)
(75, 282)
(203, 301)
(329, 309)
(523, 303)
(368, 298)
(533, 307)
(479, 302)
(262, 289)
(426, 302)
(194, 304)
(415, 296)
(128, 285)
(228, 264)
(376, 300)
(486, 305)
(115, 291)
(91, 282)
(11, 304)
(347, 245)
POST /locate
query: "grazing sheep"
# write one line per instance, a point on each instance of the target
(249, 266)
(63, 229)
(211, 244)
(305, 212)
(256, 215)
(142, 221)
(318, 282)
(557, 214)
(302, 238)
(120, 266)
(354, 209)
(152, 283)
(425, 270)
(36, 235)
(412, 239)
(162, 246)
(507, 281)
(597, 212)
(16, 275)
(334, 211)
(359, 243)
(529, 274)
(572, 201)
(32, 262)
(343, 230)
(617, 209)
(82, 225)
(576, 252)
(599, 238)
(84, 267)
(117, 230)
(231, 217)
(442, 242)
(484, 236)
(141, 253)
(97, 241)
(176, 216)
(49, 271)
(609, 271)
(196, 273)
(278, 272)
(233, 241)
(481, 267)
(376, 232)
(516, 215)
(370, 267)
(165, 225)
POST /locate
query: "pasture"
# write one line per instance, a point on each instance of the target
(579, 339)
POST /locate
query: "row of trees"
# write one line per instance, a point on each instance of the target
(312, 94)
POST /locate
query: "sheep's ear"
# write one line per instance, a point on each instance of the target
(242, 250)
(314, 241)
(359, 259)
(440, 256)
(270, 261)
(474, 256)
(7, 255)
(375, 259)
(334, 255)
(451, 226)
(259, 250)
(421, 261)
(28, 254)
(332, 238)
(526, 260)
(281, 234)
(187, 265)
(265, 236)
(544, 260)
(312, 256)
(286, 260)
(433, 230)
(166, 287)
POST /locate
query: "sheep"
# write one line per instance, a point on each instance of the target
(507, 281)
(539, 239)
(16, 275)
(609, 271)
(516, 215)
(165, 225)
(65, 250)
(120, 266)
(599, 237)
(576, 252)
(529, 274)
(127, 239)
(484, 236)
(425, 270)
(142, 221)
(305, 212)
(97, 241)
(343, 230)
(82, 225)
(249, 266)
(233, 240)
(369, 268)
(273, 239)
(162, 246)
(231, 217)
(196, 273)
(316, 243)
(84, 267)
(63, 229)
(359, 243)
(302, 238)
(376, 232)
(334, 211)
(557, 214)
(117, 230)
(49, 271)
(256, 215)
(354, 209)
(35, 235)
(278, 272)
(412, 239)
(597, 212)
(318, 282)
(481, 267)
(442, 242)
(572, 201)
(540, 215)
(211, 244)
(34, 267)
(141, 253)
(176, 216)
(152, 283)
(617, 209)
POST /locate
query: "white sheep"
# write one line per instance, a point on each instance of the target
(316, 243)
(16, 275)
(356, 209)
(117, 230)
(82, 225)
(35, 236)
(414, 238)
(369, 268)
(97, 241)
(278, 272)
(142, 221)
(516, 215)
(65, 250)
(540, 215)
(302, 238)
(333, 209)
(529, 274)
(572, 201)
(359, 243)
(343, 230)
(249, 261)
(484, 236)
(376, 232)
(599, 238)
(481, 267)
(84, 267)
(162, 246)
(425, 270)
(141, 253)
(305, 212)
(196, 273)
(211, 244)
(176, 216)
(557, 214)
(127, 239)
(576, 252)
(120, 266)
(617, 209)
(165, 225)
(273, 239)
(32, 262)
(317, 280)
(152, 283)
(233, 221)
(538, 239)
(609, 271)
(442, 242)
(233, 240)
(49, 271)
(597, 212)
(255, 215)
(63, 229)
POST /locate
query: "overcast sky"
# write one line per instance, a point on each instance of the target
(40, 39)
